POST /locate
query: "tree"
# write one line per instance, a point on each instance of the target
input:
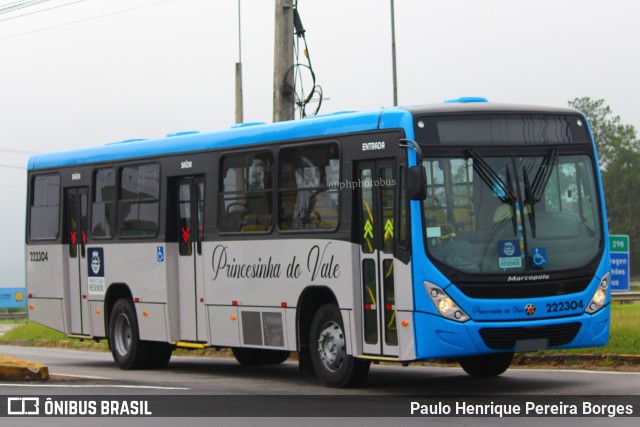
(613, 138)
(619, 156)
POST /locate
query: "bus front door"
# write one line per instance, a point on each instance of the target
(75, 237)
(376, 189)
(190, 201)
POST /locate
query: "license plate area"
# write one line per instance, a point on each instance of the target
(531, 345)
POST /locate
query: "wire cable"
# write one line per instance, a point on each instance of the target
(92, 18)
(12, 167)
(298, 96)
(42, 10)
(20, 5)
(12, 151)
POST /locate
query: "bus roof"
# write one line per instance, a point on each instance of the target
(238, 136)
(331, 124)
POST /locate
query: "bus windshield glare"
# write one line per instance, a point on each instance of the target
(510, 213)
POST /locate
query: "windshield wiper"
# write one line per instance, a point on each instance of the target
(534, 193)
(503, 191)
(544, 173)
(530, 201)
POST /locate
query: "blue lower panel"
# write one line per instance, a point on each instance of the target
(437, 337)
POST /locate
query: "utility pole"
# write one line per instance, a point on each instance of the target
(239, 98)
(283, 106)
(393, 55)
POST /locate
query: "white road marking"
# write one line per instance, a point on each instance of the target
(575, 371)
(94, 386)
(89, 377)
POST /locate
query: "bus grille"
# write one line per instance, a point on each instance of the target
(497, 290)
(505, 338)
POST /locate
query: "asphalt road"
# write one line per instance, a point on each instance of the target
(283, 388)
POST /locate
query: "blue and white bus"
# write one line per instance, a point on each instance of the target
(466, 230)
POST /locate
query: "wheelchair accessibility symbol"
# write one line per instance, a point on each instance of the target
(539, 257)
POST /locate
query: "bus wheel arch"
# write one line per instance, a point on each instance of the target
(333, 366)
(115, 292)
(310, 300)
(123, 333)
(128, 350)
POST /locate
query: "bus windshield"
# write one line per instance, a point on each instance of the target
(512, 214)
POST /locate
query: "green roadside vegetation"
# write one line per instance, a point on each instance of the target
(624, 339)
(625, 333)
(28, 333)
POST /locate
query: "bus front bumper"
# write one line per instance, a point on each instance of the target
(437, 337)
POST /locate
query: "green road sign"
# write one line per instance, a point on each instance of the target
(619, 243)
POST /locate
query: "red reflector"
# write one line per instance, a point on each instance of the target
(234, 302)
(136, 300)
(84, 297)
(30, 295)
(367, 306)
(388, 307)
(201, 299)
(283, 304)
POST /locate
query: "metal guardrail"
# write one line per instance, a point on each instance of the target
(9, 316)
(626, 296)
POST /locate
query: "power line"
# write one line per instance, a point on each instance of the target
(42, 10)
(19, 5)
(298, 97)
(10, 150)
(13, 167)
(85, 19)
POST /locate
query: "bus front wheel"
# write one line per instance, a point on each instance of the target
(487, 365)
(329, 358)
(127, 349)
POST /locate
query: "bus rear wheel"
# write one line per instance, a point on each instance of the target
(257, 356)
(488, 365)
(127, 349)
(329, 358)
(160, 354)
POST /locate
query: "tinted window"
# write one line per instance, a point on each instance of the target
(305, 199)
(104, 203)
(246, 196)
(138, 206)
(45, 204)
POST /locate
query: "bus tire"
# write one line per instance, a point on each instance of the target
(329, 358)
(127, 349)
(257, 356)
(160, 354)
(487, 365)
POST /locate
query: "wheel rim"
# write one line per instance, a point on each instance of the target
(122, 334)
(331, 346)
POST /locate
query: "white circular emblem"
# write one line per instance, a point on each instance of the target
(95, 262)
(509, 249)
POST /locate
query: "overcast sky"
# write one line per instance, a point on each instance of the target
(98, 71)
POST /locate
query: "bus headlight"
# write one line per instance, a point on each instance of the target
(599, 298)
(445, 305)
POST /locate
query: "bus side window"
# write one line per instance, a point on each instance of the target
(139, 207)
(103, 203)
(246, 196)
(45, 207)
(306, 200)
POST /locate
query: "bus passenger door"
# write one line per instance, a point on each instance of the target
(376, 189)
(76, 221)
(190, 200)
